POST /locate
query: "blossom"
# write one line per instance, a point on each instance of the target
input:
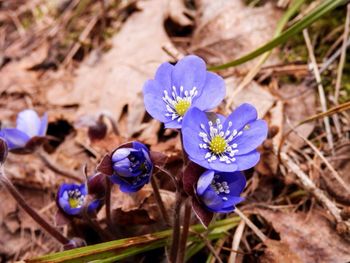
(176, 89)
(130, 166)
(72, 199)
(29, 126)
(224, 144)
(219, 192)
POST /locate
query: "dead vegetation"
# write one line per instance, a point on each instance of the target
(78, 59)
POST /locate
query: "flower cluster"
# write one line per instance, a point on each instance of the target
(180, 97)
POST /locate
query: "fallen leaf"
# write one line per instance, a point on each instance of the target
(277, 252)
(226, 30)
(310, 236)
(116, 80)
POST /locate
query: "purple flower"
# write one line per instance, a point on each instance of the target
(132, 167)
(72, 199)
(175, 89)
(29, 126)
(224, 144)
(219, 192)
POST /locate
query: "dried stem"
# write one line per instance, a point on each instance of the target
(235, 242)
(185, 229)
(309, 185)
(57, 168)
(253, 227)
(159, 200)
(342, 55)
(30, 211)
(320, 88)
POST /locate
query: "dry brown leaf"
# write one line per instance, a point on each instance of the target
(227, 30)
(342, 165)
(117, 79)
(310, 236)
(253, 93)
(277, 252)
(300, 103)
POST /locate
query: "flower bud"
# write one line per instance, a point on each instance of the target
(132, 167)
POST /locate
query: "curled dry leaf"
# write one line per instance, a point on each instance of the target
(277, 251)
(310, 236)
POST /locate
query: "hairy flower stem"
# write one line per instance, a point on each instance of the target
(185, 229)
(108, 205)
(176, 227)
(159, 200)
(30, 211)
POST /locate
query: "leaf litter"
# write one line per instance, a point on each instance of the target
(108, 78)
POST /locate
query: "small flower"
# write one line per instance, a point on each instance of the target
(219, 192)
(175, 89)
(29, 126)
(129, 165)
(72, 198)
(224, 144)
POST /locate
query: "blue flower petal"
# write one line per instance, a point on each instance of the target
(120, 154)
(248, 160)
(153, 99)
(253, 135)
(172, 124)
(241, 116)
(189, 72)
(29, 122)
(15, 138)
(163, 75)
(212, 94)
(236, 182)
(190, 135)
(204, 181)
(43, 125)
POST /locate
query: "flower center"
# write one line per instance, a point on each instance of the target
(218, 144)
(75, 198)
(182, 106)
(220, 187)
(178, 102)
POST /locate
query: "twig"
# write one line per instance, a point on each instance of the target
(210, 247)
(159, 200)
(343, 55)
(185, 229)
(56, 168)
(309, 185)
(235, 242)
(320, 88)
(30, 211)
(253, 227)
(330, 167)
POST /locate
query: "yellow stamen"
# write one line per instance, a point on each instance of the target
(218, 145)
(73, 202)
(182, 106)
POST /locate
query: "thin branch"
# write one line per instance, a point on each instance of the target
(253, 227)
(57, 168)
(30, 211)
(320, 88)
(235, 242)
(343, 55)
